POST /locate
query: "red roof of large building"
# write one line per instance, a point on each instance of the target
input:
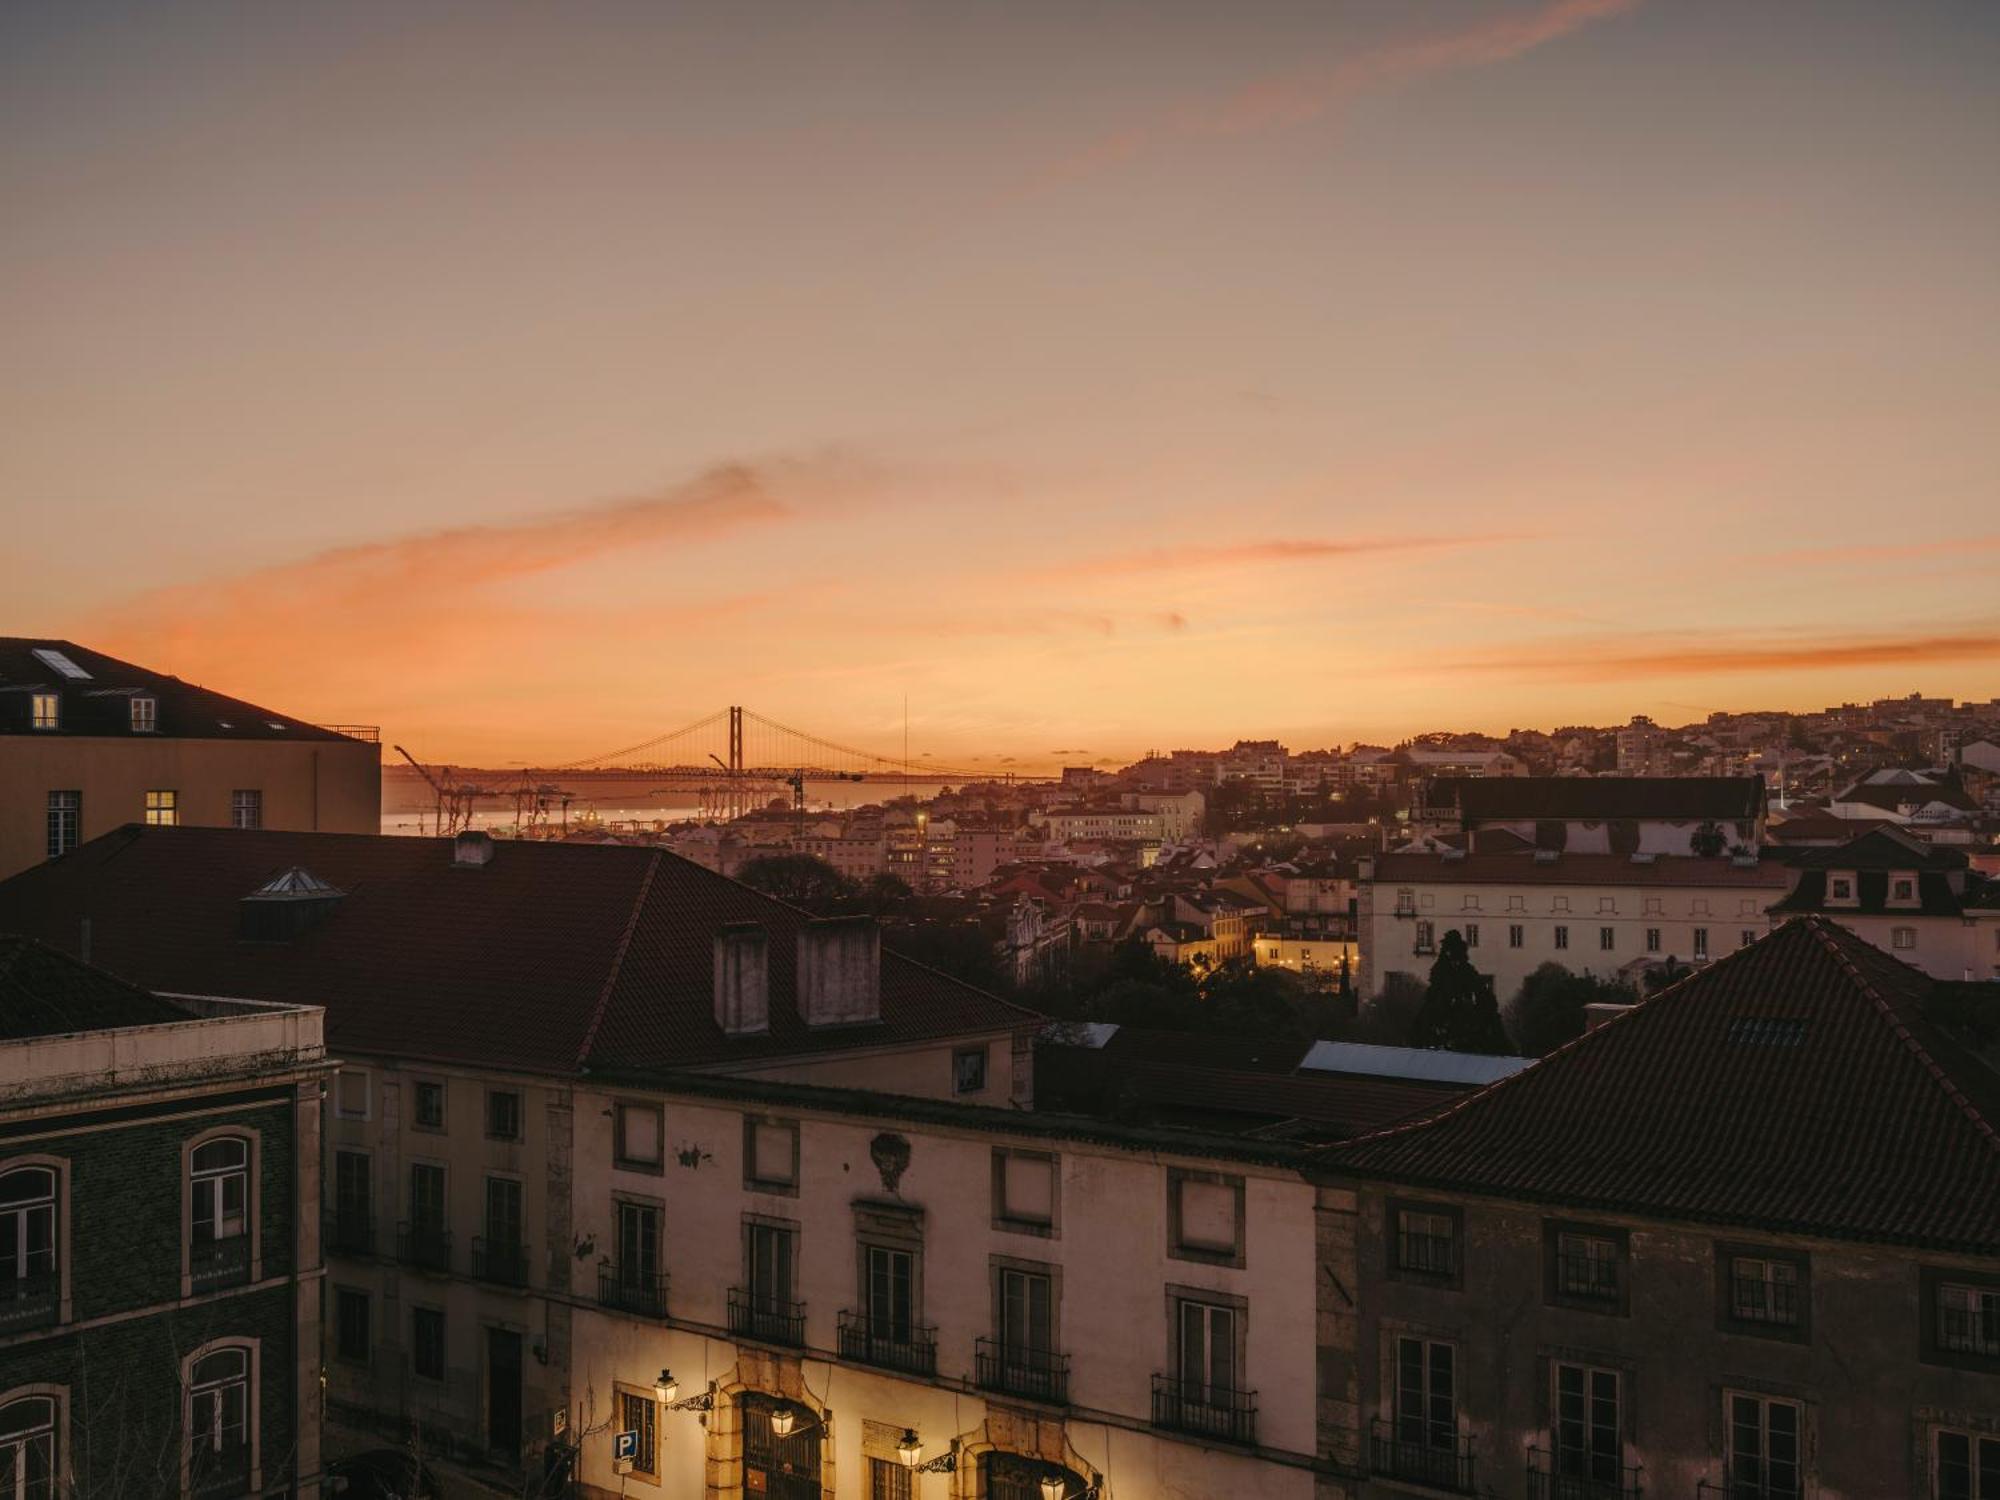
(1795, 1085)
(549, 958)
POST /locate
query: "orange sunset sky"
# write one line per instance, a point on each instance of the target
(530, 379)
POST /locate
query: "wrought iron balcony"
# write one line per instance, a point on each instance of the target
(502, 1262)
(886, 1342)
(349, 1234)
(213, 1263)
(425, 1246)
(768, 1320)
(633, 1291)
(1204, 1410)
(1406, 1451)
(32, 1301)
(1579, 1477)
(1034, 1374)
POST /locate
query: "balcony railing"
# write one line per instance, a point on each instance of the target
(350, 1234)
(1426, 1254)
(424, 1246)
(1034, 1374)
(769, 1320)
(1204, 1410)
(30, 1301)
(1580, 1275)
(224, 1474)
(1579, 1478)
(372, 733)
(1749, 1489)
(1407, 1455)
(213, 1263)
(1753, 1299)
(633, 1290)
(885, 1342)
(502, 1262)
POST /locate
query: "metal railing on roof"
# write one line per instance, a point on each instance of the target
(372, 733)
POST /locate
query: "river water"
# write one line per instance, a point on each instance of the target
(624, 805)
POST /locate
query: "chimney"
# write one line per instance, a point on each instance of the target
(1597, 1012)
(743, 979)
(840, 971)
(471, 849)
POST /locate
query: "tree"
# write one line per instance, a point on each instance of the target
(1548, 1009)
(1708, 840)
(1459, 1011)
(1670, 971)
(799, 879)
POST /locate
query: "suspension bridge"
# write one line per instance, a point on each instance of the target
(725, 763)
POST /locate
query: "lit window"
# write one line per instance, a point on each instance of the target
(65, 822)
(246, 808)
(163, 809)
(145, 715)
(47, 711)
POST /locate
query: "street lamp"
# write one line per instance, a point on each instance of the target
(666, 1388)
(782, 1422)
(910, 1448)
(1052, 1487)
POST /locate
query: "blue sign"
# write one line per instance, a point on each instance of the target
(624, 1447)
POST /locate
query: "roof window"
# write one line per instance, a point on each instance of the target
(145, 715)
(56, 661)
(1767, 1031)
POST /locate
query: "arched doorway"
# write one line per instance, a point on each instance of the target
(1014, 1476)
(779, 1466)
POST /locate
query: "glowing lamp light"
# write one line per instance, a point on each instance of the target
(910, 1448)
(666, 1387)
(1052, 1487)
(782, 1422)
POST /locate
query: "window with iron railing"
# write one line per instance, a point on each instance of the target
(1587, 1267)
(1968, 1319)
(1426, 1242)
(1764, 1291)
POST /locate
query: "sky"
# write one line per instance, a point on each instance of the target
(1090, 378)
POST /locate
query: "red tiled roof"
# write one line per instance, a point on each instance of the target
(1794, 1085)
(550, 957)
(1600, 798)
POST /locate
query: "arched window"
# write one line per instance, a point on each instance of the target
(28, 1449)
(218, 1219)
(30, 1279)
(218, 1421)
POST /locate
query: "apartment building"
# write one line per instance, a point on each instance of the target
(814, 1292)
(469, 986)
(1922, 902)
(1743, 1240)
(1134, 824)
(159, 1238)
(1602, 814)
(1605, 914)
(89, 742)
(859, 858)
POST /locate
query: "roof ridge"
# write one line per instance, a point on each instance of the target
(617, 962)
(1823, 931)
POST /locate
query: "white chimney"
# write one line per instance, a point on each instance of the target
(472, 848)
(743, 979)
(840, 971)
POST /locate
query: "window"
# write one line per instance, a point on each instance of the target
(1903, 937)
(1968, 1319)
(1561, 904)
(1586, 1267)
(1745, 938)
(1701, 942)
(1654, 907)
(353, 1228)
(1762, 1434)
(968, 1070)
(1607, 904)
(427, 1198)
(1903, 888)
(506, 1248)
(1841, 888)
(429, 1112)
(65, 822)
(1204, 1217)
(1516, 935)
(1968, 1467)
(1426, 937)
(246, 808)
(503, 1115)
(218, 1421)
(638, 1412)
(1472, 934)
(427, 1342)
(1205, 1351)
(350, 1324)
(771, 1155)
(1426, 1240)
(1700, 907)
(638, 1245)
(1406, 899)
(1652, 940)
(1588, 1436)
(1026, 1320)
(46, 710)
(888, 1479)
(162, 809)
(350, 1094)
(889, 1292)
(1562, 937)
(219, 1225)
(638, 1130)
(59, 661)
(30, 1279)
(1025, 1191)
(1765, 1289)
(1517, 903)
(1607, 938)
(145, 715)
(28, 1449)
(1426, 1410)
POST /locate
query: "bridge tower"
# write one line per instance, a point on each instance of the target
(735, 740)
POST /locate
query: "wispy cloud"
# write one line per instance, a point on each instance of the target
(1201, 558)
(1648, 657)
(1877, 552)
(1303, 95)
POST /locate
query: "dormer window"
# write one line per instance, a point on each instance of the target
(1903, 889)
(145, 715)
(1840, 887)
(46, 710)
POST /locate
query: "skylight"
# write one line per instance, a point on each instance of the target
(50, 657)
(1767, 1031)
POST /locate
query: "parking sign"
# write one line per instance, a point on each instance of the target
(624, 1449)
